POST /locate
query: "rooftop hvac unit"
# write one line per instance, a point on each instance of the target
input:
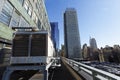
(32, 47)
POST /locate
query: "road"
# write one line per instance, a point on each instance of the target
(61, 73)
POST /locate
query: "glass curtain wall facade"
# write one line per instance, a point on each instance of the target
(71, 34)
(55, 34)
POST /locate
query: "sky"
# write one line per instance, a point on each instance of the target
(99, 19)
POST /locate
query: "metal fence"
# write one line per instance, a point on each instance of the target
(90, 73)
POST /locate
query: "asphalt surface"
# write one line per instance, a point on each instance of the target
(61, 73)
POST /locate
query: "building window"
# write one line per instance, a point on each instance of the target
(39, 24)
(30, 10)
(26, 6)
(37, 4)
(35, 18)
(5, 17)
(15, 19)
(6, 13)
(24, 23)
(21, 1)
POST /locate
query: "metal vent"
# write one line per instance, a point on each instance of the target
(20, 47)
(38, 45)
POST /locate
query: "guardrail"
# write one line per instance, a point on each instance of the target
(94, 74)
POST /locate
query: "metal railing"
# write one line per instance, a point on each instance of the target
(93, 73)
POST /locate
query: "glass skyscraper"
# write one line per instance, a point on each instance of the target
(55, 34)
(71, 34)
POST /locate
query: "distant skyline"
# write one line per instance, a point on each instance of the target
(99, 19)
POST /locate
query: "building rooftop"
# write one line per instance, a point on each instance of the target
(70, 9)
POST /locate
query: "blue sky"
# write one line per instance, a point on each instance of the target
(99, 19)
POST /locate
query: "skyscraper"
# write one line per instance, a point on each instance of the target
(93, 48)
(93, 43)
(71, 34)
(55, 34)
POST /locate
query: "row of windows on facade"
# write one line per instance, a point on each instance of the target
(29, 9)
(11, 17)
(37, 3)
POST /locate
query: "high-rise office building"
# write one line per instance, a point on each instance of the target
(93, 43)
(21, 13)
(71, 34)
(55, 34)
(93, 49)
